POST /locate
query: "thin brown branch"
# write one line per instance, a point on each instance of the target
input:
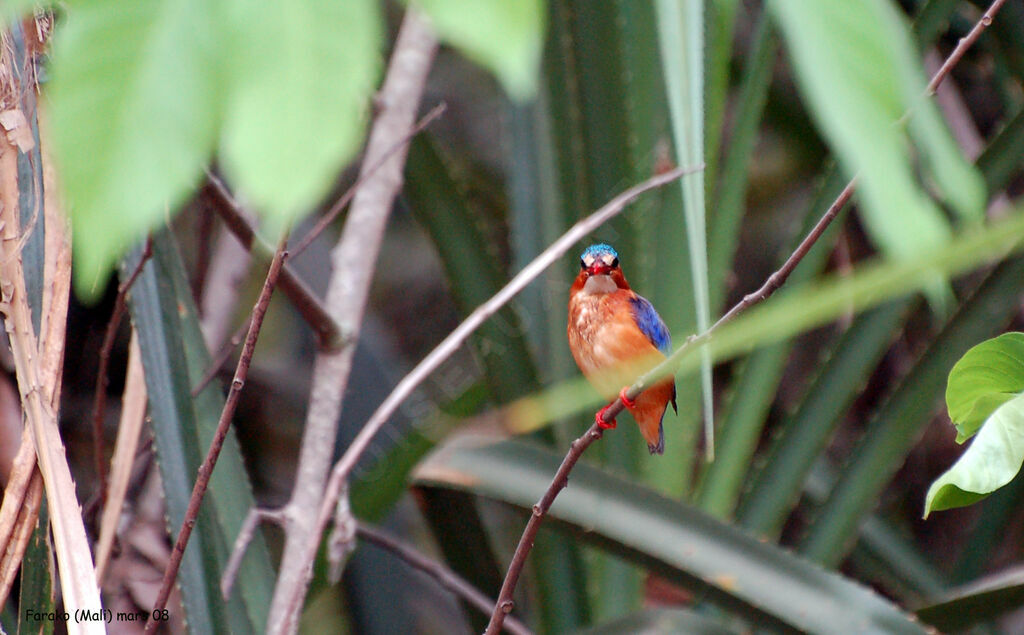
(329, 334)
(444, 576)
(223, 425)
(99, 402)
(353, 262)
(346, 198)
(505, 603)
(963, 45)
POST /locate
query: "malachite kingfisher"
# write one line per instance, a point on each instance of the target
(615, 334)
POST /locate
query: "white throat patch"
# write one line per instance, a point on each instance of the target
(599, 285)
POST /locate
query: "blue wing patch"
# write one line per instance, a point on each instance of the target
(650, 324)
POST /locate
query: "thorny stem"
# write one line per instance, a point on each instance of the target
(99, 403)
(230, 404)
(505, 604)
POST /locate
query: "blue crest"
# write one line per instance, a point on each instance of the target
(597, 250)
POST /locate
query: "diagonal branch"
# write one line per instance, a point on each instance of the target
(353, 261)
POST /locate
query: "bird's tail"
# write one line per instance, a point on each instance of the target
(660, 447)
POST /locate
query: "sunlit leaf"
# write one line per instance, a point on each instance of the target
(991, 461)
(505, 36)
(986, 377)
(133, 104)
(300, 74)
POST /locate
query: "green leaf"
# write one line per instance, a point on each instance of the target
(301, 73)
(505, 36)
(991, 461)
(759, 581)
(134, 115)
(986, 377)
(857, 68)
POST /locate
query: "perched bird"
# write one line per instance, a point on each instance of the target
(610, 327)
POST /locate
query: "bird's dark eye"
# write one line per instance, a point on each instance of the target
(583, 264)
(615, 263)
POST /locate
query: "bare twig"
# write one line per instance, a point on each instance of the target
(252, 520)
(328, 332)
(505, 603)
(442, 574)
(353, 261)
(99, 402)
(223, 425)
(963, 45)
(337, 208)
(456, 338)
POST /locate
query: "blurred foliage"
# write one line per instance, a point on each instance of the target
(828, 395)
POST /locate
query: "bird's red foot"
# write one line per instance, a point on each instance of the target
(626, 401)
(599, 419)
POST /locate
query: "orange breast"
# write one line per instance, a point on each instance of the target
(604, 337)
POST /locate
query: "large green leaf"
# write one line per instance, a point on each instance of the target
(134, 115)
(759, 581)
(986, 377)
(300, 74)
(858, 70)
(503, 35)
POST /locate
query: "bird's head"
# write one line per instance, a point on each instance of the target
(599, 260)
(599, 270)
